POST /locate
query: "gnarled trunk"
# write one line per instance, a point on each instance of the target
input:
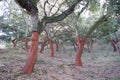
(28, 68)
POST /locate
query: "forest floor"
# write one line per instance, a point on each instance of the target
(97, 65)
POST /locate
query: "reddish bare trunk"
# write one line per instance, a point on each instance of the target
(26, 43)
(81, 43)
(51, 47)
(78, 61)
(43, 45)
(28, 68)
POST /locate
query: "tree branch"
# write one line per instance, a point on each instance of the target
(44, 7)
(52, 7)
(58, 8)
(82, 9)
(29, 5)
(62, 15)
(100, 21)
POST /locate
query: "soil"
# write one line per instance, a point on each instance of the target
(97, 65)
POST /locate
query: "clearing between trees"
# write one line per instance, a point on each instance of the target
(97, 65)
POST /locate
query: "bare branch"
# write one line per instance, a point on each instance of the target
(52, 7)
(82, 9)
(62, 15)
(44, 7)
(58, 8)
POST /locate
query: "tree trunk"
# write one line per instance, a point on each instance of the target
(51, 47)
(78, 61)
(26, 43)
(75, 45)
(14, 43)
(43, 45)
(28, 68)
(113, 45)
(78, 41)
(81, 43)
(90, 45)
(31, 8)
(57, 46)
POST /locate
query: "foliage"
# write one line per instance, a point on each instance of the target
(15, 23)
(100, 21)
(107, 29)
(94, 5)
(50, 10)
(114, 6)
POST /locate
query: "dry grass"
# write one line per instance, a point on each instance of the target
(100, 65)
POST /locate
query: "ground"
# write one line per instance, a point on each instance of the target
(97, 65)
